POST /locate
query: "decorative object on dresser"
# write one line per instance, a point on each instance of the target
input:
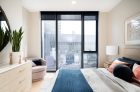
(132, 30)
(15, 39)
(107, 64)
(4, 23)
(16, 77)
(112, 51)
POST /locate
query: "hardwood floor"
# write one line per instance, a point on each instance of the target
(36, 85)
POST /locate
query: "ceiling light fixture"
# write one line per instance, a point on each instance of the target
(73, 2)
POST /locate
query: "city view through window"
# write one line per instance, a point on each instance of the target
(69, 44)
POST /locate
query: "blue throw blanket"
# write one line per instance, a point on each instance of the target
(71, 80)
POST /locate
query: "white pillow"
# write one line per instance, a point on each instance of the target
(33, 64)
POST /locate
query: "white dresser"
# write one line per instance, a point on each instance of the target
(16, 77)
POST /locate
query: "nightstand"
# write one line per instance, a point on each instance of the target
(107, 64)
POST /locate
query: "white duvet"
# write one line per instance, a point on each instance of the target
(100, 80)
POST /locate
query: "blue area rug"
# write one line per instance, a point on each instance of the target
(71, 80)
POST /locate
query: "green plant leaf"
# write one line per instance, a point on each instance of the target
(16, 39)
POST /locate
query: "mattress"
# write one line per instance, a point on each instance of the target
(101, 80)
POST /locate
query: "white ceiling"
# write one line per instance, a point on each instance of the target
(65, 5)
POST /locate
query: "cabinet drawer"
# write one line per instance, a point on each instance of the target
(19, 71)
(29, 80)
(4, 79)
(26, 85)
(22, 89)
(15, 84)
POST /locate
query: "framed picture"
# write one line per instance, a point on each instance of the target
(132, 30)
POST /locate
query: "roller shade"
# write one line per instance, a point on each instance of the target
(48, 15)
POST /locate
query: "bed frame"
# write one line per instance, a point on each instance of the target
(132, 53)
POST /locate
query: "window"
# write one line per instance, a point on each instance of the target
(70, 39)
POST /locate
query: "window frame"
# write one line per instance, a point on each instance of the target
(83, 13)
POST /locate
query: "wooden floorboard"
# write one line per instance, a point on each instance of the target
(36, 85)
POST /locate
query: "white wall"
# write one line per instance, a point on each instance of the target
(13, 11)
(34, 37)
(124, 10)
(25, 27)
(103, 37)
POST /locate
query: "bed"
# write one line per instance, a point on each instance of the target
(100, 79)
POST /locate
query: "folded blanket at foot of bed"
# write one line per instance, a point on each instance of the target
(71, 80)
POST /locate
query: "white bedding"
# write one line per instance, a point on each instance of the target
(101, 80)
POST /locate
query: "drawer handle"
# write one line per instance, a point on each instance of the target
(22, 70)
(22, 80)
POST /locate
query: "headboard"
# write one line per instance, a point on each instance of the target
(132, 53)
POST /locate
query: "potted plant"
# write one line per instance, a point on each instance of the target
(15, 40)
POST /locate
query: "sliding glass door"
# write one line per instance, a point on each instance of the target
(69, 44)
(69, 39)
(48, 43)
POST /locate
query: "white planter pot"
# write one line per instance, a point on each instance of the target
(16, 57)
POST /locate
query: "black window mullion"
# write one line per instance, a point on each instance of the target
(56, 41)
(41, 36)
(97, 37)
(82, 41)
